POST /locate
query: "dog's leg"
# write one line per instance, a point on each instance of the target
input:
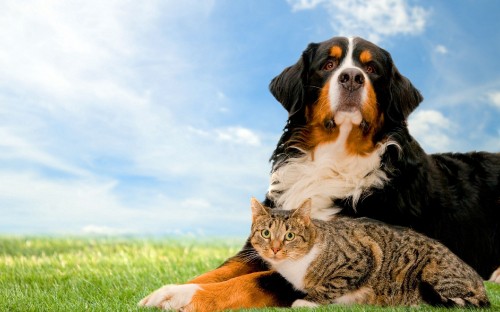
(255, 290)
(242, 281)
(245, 262)
(233, 267)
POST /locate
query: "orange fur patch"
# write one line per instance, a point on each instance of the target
(336, 51)
(237, 293)
(322, 110)
(359, 142)
(316, 132)
(228, 270)
(365, 56)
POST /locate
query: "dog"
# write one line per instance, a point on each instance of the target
(347, 146)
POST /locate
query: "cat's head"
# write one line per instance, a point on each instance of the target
(281, 234)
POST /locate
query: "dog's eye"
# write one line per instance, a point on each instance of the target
(370, 69)
(330, 65)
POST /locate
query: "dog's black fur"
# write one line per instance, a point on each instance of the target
(452, 197)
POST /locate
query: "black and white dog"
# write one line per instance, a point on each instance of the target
(346, 145)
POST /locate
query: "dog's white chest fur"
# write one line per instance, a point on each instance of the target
(331, 173)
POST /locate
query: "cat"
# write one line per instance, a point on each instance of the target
(361, 261)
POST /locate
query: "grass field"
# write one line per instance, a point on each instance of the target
(84, 274)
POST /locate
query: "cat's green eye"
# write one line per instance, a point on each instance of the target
(289, 236)
(265, 233)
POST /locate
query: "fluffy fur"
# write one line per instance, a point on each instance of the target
(346, 145)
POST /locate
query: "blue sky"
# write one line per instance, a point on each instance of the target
(154, 117)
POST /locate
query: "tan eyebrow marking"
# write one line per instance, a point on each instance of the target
(365, 56)
(336, 51)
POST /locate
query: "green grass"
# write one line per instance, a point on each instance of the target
(84, 274)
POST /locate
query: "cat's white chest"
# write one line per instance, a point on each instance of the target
(294, 271)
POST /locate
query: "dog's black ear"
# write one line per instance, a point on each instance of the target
(403, 97)
(288, 87)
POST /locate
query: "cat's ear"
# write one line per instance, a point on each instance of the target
(257, 209)
(304, 211)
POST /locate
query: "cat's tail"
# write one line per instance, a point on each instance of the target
(452, 284)
(436, 297)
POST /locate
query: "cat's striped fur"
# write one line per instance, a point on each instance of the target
(361, 261)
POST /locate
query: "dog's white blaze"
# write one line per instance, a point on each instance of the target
(335, 87)
(330, 174)
(294, 271)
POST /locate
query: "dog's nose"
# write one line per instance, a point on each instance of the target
(351, 79)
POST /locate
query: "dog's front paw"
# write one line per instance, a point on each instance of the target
(170, 297)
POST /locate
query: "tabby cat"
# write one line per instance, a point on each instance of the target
(361, 261)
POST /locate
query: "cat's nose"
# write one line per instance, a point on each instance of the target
(276, 246)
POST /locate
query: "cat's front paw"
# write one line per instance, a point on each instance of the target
(171, 297)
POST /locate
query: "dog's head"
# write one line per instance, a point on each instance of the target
(344, 80)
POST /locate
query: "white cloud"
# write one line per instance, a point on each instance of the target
(93, 229)
(77, 65)
(431, 128)
(59, 199)
(494, 98)
(82, 87)
(17, 148)
(33, 204)
(195, 202)
(238, 135)
(55, 47)
(298, 5)
(441, 49)
(374, 20)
